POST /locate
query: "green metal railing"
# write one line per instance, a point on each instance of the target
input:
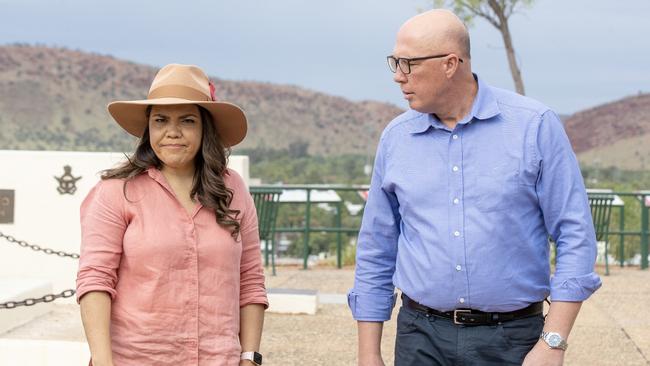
(307, 229)
(266, 204)
(622, 232)
(601, 213)
(642, 232)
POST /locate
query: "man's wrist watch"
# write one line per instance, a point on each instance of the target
(554, 340)
(254, 357)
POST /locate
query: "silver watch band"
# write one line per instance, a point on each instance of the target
(554, 340)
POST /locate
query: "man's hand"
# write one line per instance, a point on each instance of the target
(369, 353)
(543, 355)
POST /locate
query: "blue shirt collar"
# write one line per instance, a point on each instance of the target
(485, 106)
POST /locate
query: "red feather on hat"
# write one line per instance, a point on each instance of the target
(212, 90)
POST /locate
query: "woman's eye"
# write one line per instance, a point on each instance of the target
(188, 120)
(159, 120)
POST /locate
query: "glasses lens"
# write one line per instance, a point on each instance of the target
(405, 66)
(392, 63)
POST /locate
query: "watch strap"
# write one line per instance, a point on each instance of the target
(563, 345)
(252, 356)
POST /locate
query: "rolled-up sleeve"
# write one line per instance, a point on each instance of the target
(252, 289)
(103, 224)
(373, 298)
(567, 215)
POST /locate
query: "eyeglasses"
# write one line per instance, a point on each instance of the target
(404, 64)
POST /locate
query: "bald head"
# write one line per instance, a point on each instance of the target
(436, 30)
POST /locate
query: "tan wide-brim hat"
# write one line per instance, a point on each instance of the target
(182, 84)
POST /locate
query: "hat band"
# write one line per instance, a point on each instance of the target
(178, 91)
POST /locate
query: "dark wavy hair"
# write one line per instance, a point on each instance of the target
(210, 167)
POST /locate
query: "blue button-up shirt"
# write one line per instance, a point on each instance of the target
(461, 218)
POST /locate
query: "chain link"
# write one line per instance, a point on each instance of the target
(38, 248)
(42, 299)
(31, 301)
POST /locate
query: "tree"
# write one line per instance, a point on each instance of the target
(497, 13)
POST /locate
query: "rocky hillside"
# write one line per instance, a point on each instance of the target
(52, 98)
(613, 134)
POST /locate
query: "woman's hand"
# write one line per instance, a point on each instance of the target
(101, 363)
(96, 317)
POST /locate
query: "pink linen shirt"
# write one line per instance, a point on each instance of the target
(177, 281)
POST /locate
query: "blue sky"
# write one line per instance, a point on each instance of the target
(574, 54)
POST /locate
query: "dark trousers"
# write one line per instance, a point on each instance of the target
(428, 340)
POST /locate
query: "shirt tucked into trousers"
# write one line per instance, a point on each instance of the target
(460, 218)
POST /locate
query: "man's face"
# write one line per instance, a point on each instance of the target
(423, 85)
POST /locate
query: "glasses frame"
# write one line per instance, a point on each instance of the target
(398, 61)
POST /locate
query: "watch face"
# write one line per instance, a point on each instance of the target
(554, 340)
(257, 358)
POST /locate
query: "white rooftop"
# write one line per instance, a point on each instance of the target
(300, 195)
(617, 199)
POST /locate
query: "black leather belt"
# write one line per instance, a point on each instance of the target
(475, 317)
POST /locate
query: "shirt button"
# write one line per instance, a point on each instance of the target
(455, 168)
(458, 267)
(461, 300)
(455, 137)
(456, 233)
(456, 200)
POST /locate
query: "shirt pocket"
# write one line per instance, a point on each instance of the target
(496, 185)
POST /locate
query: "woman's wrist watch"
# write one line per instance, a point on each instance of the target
(254, 357)
(554, 340)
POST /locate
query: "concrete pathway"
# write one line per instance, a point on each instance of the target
(613, 327)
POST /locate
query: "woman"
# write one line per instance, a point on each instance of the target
(170, 270)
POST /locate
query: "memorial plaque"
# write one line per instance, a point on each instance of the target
(6, 206)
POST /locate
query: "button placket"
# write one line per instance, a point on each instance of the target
(456, 218)
(194, 284)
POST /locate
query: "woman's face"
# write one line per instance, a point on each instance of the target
(175, 133)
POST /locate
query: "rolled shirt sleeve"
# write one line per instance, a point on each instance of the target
(252, 288)
(567, 215)
(373, 298)
(103, 224)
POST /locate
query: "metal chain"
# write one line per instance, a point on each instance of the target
(48, 297)
(30, 301)
(38, 248)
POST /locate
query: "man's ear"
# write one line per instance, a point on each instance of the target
(451, 65)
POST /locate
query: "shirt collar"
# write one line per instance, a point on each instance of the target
(157, 175)
(485, 106)
(424, 122)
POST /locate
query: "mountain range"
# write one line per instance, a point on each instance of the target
(55, 98)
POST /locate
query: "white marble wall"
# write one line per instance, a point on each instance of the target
(47, 218)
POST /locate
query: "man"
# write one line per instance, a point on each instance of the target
(467, 186)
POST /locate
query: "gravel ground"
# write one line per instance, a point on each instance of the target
(612, 328)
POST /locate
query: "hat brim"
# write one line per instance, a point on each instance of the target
(229, 119)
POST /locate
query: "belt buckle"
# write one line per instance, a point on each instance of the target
(456, 315)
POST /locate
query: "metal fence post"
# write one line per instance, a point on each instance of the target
(266, 253)
(338, 235)
(644, 233)
(307, 229)
(621, 237)
(273, 252)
